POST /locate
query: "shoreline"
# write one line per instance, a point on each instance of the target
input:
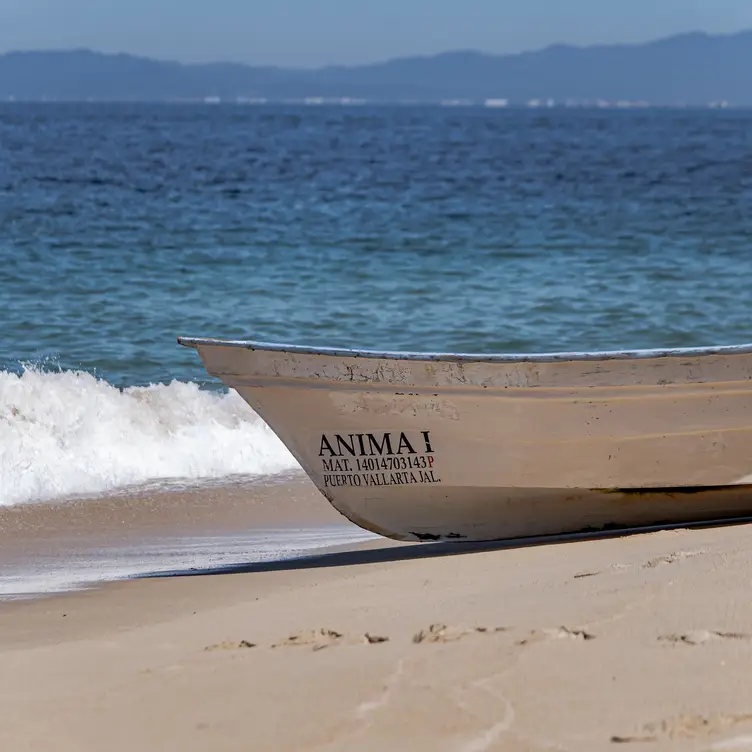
(52, 547)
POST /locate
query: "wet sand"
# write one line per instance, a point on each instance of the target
(640, 641)
(57, 546)
(286, 500)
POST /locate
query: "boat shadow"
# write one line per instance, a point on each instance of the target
(393, 552)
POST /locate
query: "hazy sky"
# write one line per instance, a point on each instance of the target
(310, 33)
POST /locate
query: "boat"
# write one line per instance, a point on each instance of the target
(431, 447)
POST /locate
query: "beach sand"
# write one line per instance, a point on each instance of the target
(637, 642)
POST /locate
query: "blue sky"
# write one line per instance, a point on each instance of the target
(309, 33)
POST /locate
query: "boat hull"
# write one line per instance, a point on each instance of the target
(461, 447)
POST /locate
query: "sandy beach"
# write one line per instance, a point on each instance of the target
(641, 641)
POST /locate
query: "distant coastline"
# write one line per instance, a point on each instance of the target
(689, 70)
(347, 103)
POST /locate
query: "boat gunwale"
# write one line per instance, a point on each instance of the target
(552, 357)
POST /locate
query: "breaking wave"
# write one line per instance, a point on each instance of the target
(68, 433)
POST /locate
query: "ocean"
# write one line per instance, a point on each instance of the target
(402, 228)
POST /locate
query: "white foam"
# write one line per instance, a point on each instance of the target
(68, 433)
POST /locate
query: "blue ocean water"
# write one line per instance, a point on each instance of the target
(442, 229)
(425, 228)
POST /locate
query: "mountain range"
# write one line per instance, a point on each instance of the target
(688, 69)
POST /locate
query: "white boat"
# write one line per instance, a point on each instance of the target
(484, 447)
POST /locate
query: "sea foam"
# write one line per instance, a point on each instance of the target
(68, 433)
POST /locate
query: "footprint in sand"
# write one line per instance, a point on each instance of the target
(242, 645)
(318, 639)
(375, 639)
(559, 633)
(702, 636)
(443, 633)
(687, 726)
(671, 558)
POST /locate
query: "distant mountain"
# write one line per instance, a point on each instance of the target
(687, 69)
